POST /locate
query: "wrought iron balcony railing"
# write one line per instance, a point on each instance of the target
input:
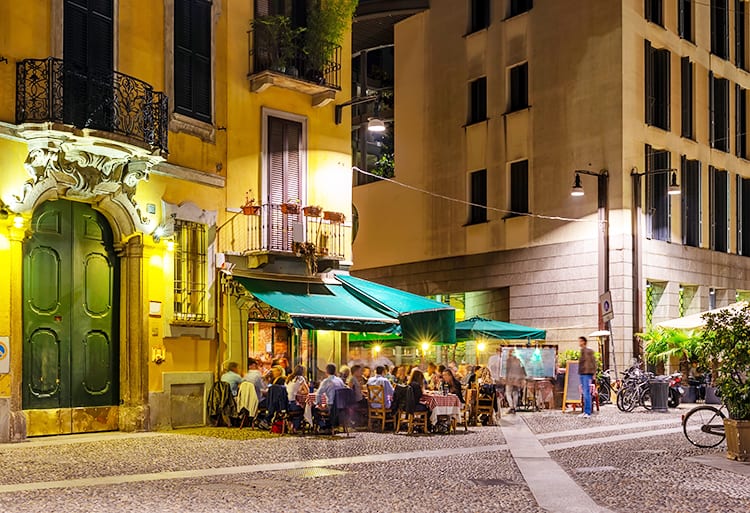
(48, 90)
(288, 57)
(272, 229)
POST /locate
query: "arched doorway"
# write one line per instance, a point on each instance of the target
(70, 318)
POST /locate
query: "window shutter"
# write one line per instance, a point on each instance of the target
(519, 187)
(201, 58)
(183, 76)
(649, 85)
(275, 182)
(712, 205)
(712, 111)
(667, 90)
(685, 200)
(293, 172)
(740, 216)
(649, 193)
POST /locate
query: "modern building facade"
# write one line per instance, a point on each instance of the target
(148, 151)
(499, 102)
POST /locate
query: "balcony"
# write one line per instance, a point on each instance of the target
(273, 229)
(280, 58)
(49, 91)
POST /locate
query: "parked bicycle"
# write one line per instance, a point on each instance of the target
(703, 426)
(635, 389)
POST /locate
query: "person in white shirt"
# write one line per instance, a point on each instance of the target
(296, 384)
(380, 379)
(495, 365)
(255, 377)
(232, 377)
(329, 386)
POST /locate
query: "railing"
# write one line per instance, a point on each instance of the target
(47, 90)
(289, 58)
(272, 228)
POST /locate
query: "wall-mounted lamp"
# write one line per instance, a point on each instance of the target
(164, 230)
(18, 221)
(375, 124)
(577, 189)
(158, 354)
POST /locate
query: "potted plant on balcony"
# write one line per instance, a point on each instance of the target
(250, 208)
(275, 43)
(292, 206)
(307, 251)
(726, 349)
(312, 211)
(334, 217)
(327, 22)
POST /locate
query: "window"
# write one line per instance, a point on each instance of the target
(686, 97)
(192, 58)
(519, 187)
(519, 87)
(743, 215)
(478, 196)
(718, 92)
(740, 33)
(190, 271)
(657, 86)
(657, 193)
(654, 12)
(718, 182)
(720, 28)
(685, 19)
(285, 174)
(691, 202)
(480, 15)
(520, 6)
(740, 122)
(478, 100)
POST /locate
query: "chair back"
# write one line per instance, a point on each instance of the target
(376, 398)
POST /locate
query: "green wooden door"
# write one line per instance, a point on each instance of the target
(70, 291)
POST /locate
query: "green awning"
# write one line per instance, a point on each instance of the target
(488, 328)
(320, 306)
(421, 319)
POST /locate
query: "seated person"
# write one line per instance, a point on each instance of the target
(328, 388)
(255, 376)
(232, 376)
(296, 384)
(380, 379)
(277, 403)
(452, 385)
(416, 382)
(355, 383)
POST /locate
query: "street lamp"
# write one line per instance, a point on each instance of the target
(672, 190)
(602, 183)
(480, 349)
(375, 124)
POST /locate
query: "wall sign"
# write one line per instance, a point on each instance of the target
(4, 355)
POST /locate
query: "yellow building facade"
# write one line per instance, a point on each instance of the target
(131, 134)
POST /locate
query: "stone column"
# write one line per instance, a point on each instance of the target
(134, 408)
(16, 419)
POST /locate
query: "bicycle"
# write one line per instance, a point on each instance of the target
(703, 425)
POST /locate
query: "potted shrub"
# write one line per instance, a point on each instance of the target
(275, 43)
(334, 217)
(726, 350)
(290, 207)
(312, 211)
(250, 208)
(327, 22)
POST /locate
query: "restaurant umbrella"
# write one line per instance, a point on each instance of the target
(488, 328)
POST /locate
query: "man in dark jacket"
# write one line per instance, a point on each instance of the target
(586, 371)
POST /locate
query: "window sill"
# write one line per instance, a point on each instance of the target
(690, 138)
(476, 223)
(722, 57)
(479, 122)
(514, 16)
(516, 111)
(659, 127)
(191, 324)
(478, 31)
(181, 123)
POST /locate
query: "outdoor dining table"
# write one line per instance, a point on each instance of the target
(308, 402)
(440, 404)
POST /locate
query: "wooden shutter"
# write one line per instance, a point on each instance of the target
(648, 59)
(712, 110)
(192, 58)
(519, 187)
(649, 193)
(285, 168)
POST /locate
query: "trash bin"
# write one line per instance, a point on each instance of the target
(659, 388)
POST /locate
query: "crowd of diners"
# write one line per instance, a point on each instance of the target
(451, 378)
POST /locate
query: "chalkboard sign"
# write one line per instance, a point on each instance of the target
(572, 390)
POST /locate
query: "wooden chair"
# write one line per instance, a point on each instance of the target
(486, 406)
(464, 419)
(376, 410)
(416, 419)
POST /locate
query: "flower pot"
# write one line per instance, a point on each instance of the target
(312, 211)
(290, 208)
(738, 439)
(250, 210)
(334, 217)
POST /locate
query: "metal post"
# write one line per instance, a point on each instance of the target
(635, 215)
(603, 253)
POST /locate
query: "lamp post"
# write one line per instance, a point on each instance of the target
(602, 185)
(635, 219)
(375, 124)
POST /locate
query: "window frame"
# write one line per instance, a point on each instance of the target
(517, 7)
(477, 214)
(687, 98)
(740, 34)
(743, 215)
(658, 86)
(477, 101)
(517, 101)
(719, 224)
(519, 177)
(719, 39)
(740, 122)
(188, 266)
(657, 193)
(715, 84)
(480, 15)
(685, 18)
(653, 11)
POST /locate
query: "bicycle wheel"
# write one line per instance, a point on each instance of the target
(627, 399)
(704, 426)
(645, 398)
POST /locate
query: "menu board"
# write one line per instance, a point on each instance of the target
(538, 362)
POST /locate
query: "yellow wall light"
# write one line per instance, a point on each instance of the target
(481, 346)
(377, 349)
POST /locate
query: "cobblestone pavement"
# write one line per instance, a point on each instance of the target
(625, 462)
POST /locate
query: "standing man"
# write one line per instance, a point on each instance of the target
(495, 365)
(586, 371)
(515, 379)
